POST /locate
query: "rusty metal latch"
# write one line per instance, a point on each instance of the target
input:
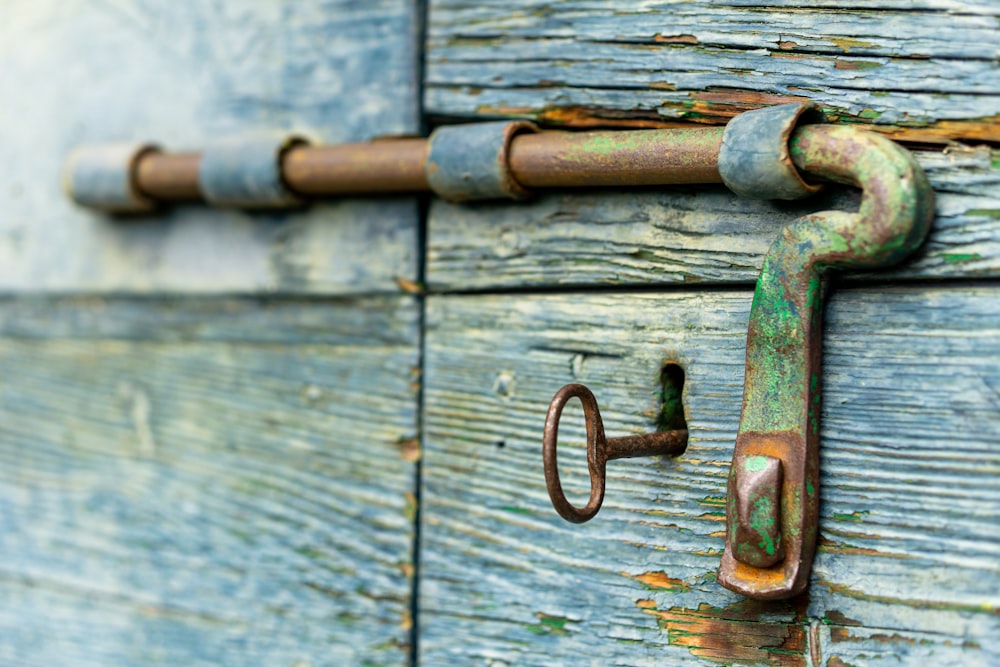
(773, 153)
(772, 508)
(474, 161)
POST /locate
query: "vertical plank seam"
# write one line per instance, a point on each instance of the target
(420, 21)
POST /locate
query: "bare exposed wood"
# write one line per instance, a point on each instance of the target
(674, 235)
(910, 504)
(183, 74)
(220, 483)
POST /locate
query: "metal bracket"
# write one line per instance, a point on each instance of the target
(773, 493)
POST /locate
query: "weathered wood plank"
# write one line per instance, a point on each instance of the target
(932, 68)
(910, 504)
(181, 74)
(690, 234)
(236, 491)
(847, 646)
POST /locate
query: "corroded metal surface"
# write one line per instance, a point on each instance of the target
(608, 158)
(246, 171)
(386, 165)
(105, 177)
(781, 399)
(754, 161)
(600, 450)
(470, 162)
(758, 510)
(169, 176)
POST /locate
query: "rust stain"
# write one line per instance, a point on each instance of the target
(675, 39)
(846, 43)
(795, 56)
(580, 117)
(660, 581)
(409, 449)
(736, 633)
(856, 64)
(726, 103)
(831, 547)
(837, 662)
(717, 107)
(838, 635)
(837, 618)
(788, 45)
(945, 131)
(409, 286)
(846, 65)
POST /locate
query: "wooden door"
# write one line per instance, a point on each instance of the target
(605, 288)
(208, 418)
(313, 437)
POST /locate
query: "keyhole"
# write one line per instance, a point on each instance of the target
(671, 415)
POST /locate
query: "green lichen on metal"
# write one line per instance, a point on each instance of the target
(782, 390)
(762, 520)
(787, 302)
(610, 145)
(755, 463)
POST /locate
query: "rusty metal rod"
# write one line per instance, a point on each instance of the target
(617, 158)
(169, 176)
(661, 443)
(388, 165)
(537, 160)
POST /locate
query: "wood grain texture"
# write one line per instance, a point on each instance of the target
(182, 74)
(909, 557)
(679, 234)
(207, 483)
(931, 67)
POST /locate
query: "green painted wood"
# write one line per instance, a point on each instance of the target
(900, 64)
(686, 234)
(182, 74)
(207, 483)
(909, 555)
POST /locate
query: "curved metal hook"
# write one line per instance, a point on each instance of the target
(769, 553)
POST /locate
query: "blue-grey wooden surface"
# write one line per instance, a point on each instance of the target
(927, 73)
(908, 569)
(182, 73)
(232, 482)
(926, 70)
(207, 482)
(692, 234)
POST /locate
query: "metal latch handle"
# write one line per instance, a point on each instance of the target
(773, 490)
